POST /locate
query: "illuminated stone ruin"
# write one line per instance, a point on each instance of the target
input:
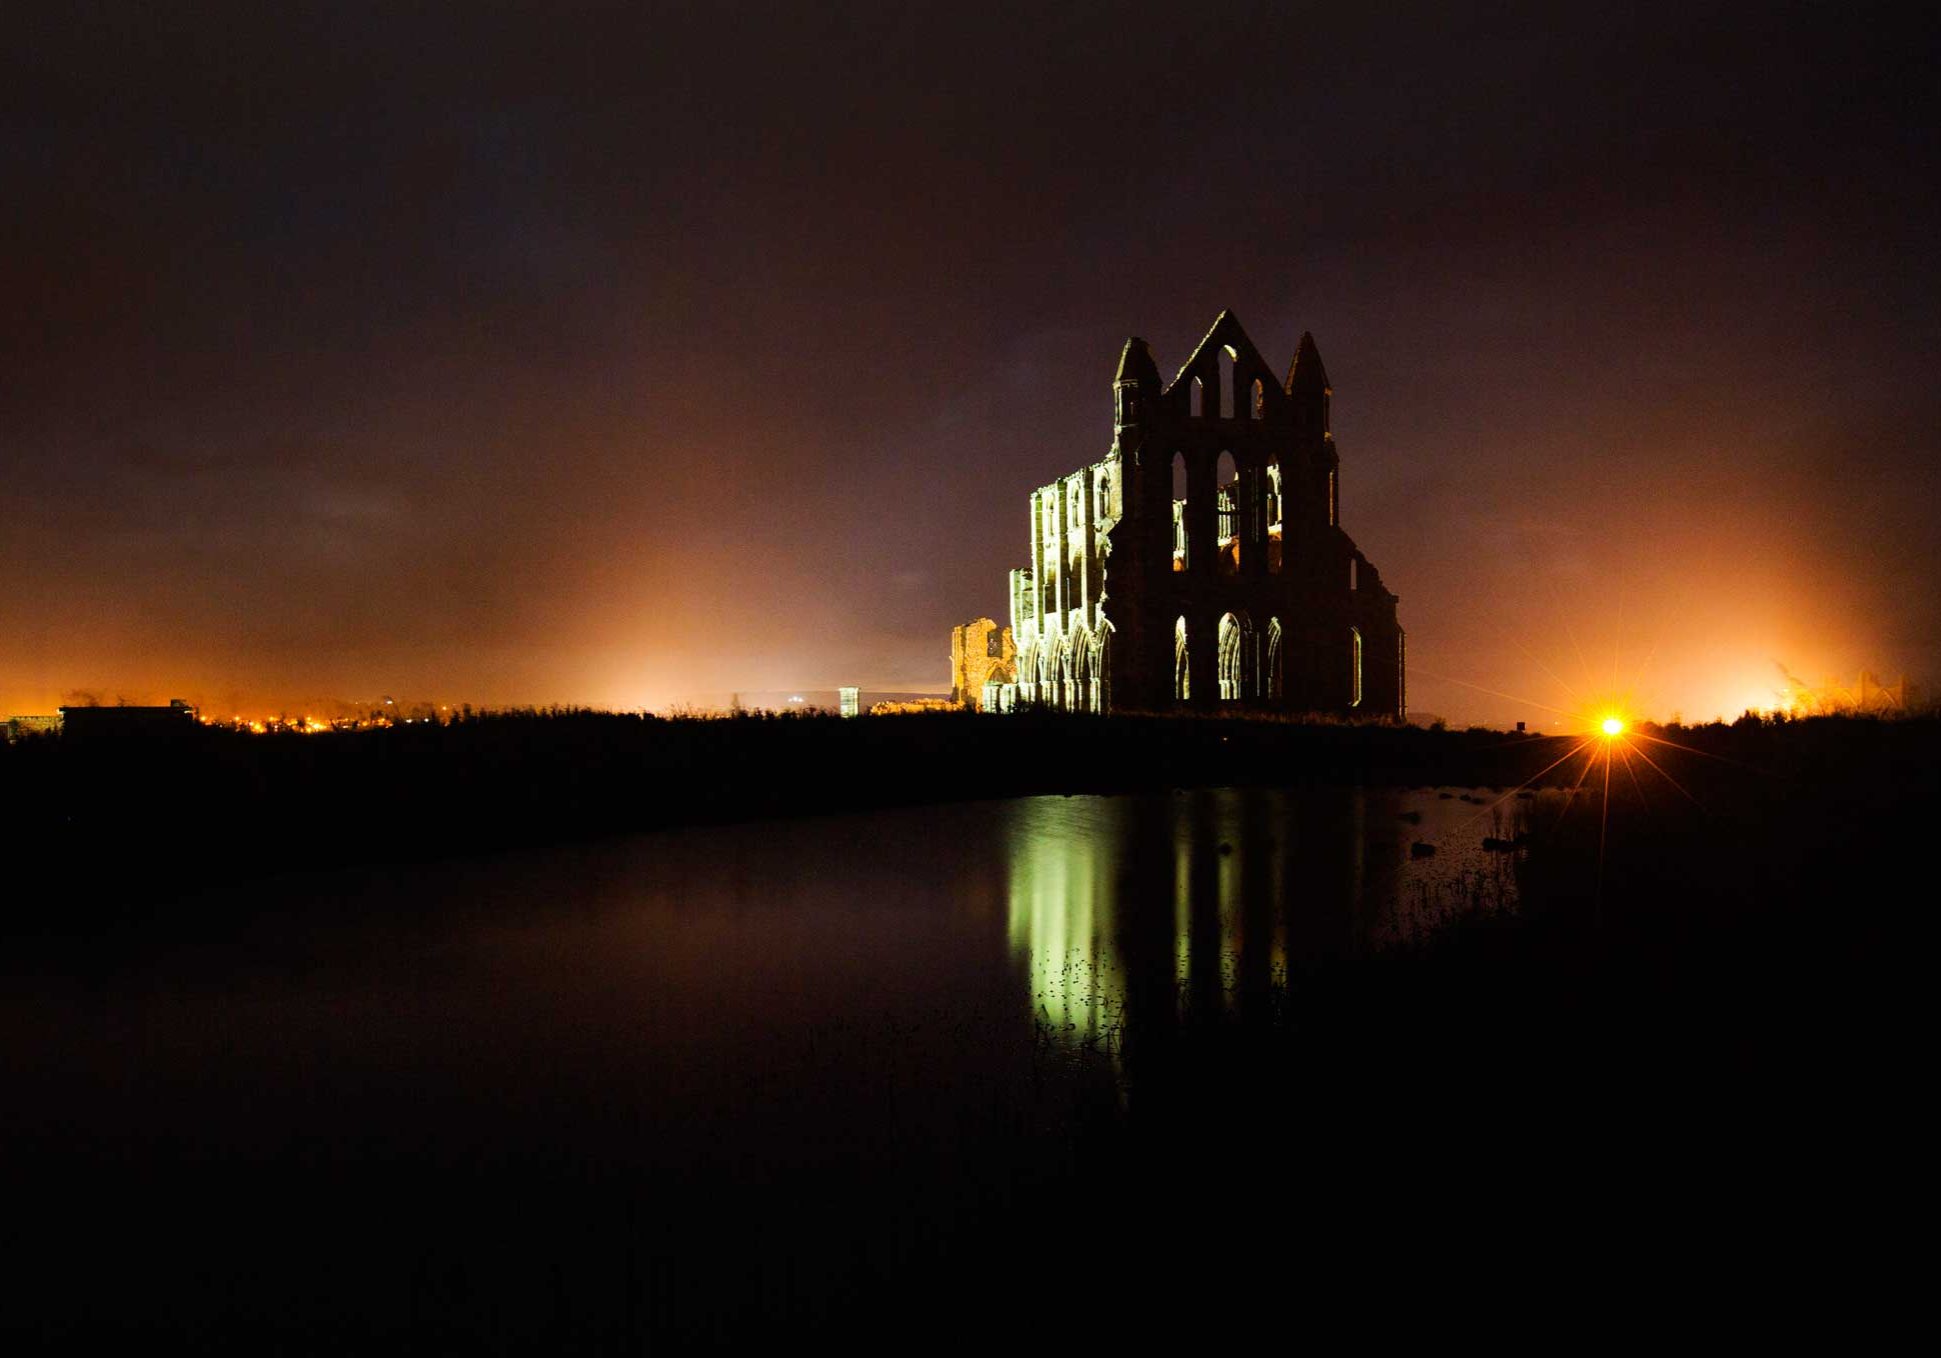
(983, 660)
(899, 707)
(1201, 564)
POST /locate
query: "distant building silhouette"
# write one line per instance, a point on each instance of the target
(124, 723)
(1202, 563)
(22, 727)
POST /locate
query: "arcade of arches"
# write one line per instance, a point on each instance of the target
(1202, 563)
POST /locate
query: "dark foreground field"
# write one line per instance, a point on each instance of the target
(123, 823)
(1680, 1088)
(213, 804)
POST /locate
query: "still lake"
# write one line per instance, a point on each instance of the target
(692, 1086)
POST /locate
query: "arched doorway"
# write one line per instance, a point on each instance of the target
(1079, 695)
(1098, 697)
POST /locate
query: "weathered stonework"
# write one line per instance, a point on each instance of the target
(1239, 588)
(982, 655)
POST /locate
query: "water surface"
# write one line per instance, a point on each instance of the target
(660, 1085)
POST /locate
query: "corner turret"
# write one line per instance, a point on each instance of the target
(1134, 390)
(1134, 387)
(1308, 389)
(1136, 365)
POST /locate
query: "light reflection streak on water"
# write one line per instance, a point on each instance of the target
(1231, 849)
(1063, 853)
(1249, 883)
(1182, 905)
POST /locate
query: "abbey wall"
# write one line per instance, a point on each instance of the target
(982, 660)
(1201, 563)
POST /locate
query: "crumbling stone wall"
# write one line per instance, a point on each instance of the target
(1202, 564)
(981, 652)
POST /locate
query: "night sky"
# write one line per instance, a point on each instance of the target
(617, 354)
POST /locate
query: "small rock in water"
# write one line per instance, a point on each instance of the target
(1444, 796)
(1412, 817)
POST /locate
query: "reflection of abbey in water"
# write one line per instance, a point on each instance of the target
(1132, 913)
(1202, 562)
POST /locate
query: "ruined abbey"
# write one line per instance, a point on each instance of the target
(1202, 564)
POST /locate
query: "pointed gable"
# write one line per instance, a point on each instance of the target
(1226, 334)
(1245, 392)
